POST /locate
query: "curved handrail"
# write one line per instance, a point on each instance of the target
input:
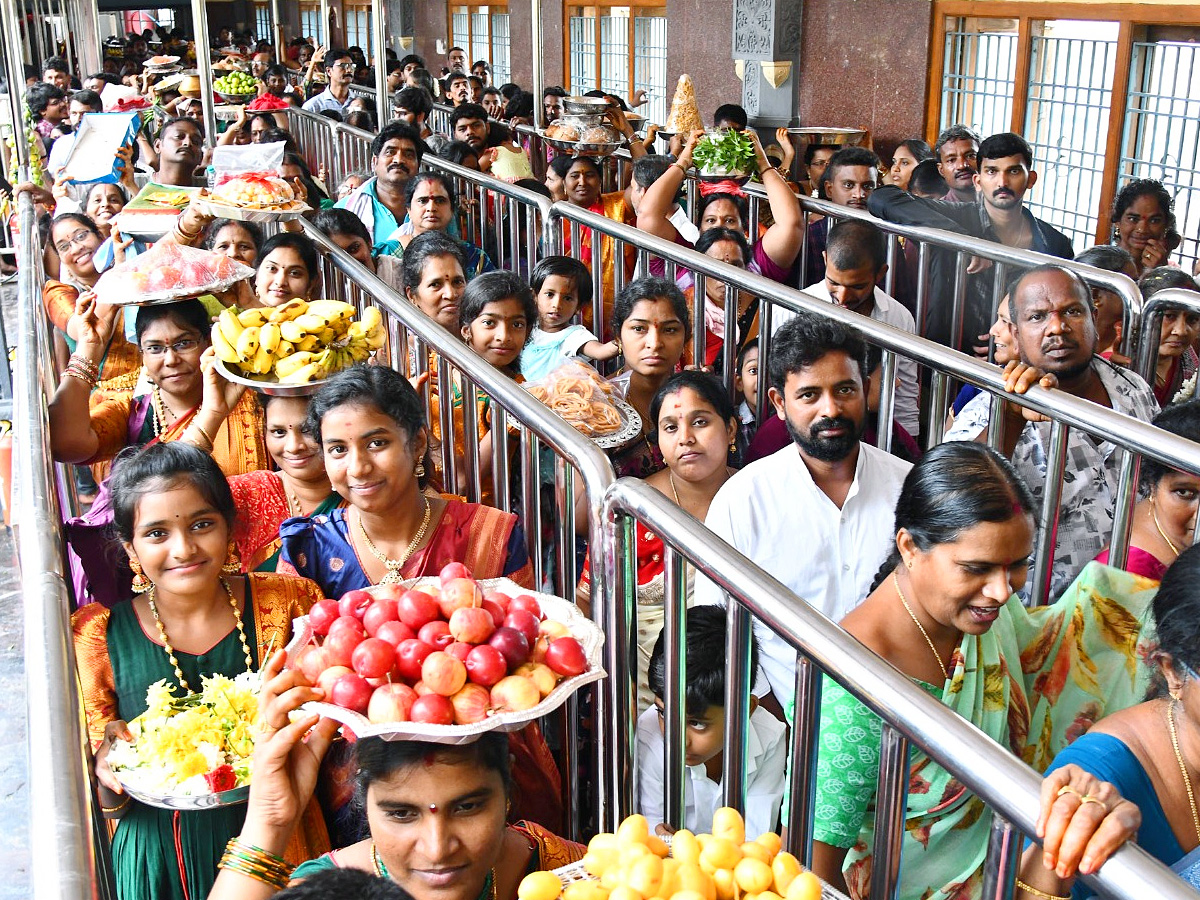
(1152, 312)
(59, 785)
(1126, 432)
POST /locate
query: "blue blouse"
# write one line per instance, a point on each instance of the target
(1110, 760)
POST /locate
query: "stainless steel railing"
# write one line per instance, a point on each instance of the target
(59, 787)
(412, 336)
(1009, 788)
(1149, 339)
(1066, 411)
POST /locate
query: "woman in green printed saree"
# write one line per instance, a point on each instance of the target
(943, 611)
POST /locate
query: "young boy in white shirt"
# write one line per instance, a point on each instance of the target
(766, 746)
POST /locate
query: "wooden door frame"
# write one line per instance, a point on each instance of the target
(603, 4)
(1131, 19)
(498, 6)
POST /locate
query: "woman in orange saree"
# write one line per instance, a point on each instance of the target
(583, 189)
(184, 403)
(371, 426)
(192, 619)
(76, 238)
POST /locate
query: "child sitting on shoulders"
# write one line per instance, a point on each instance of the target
(704, 742)
(561, 284)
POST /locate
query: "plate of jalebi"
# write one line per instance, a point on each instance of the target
(589, 404)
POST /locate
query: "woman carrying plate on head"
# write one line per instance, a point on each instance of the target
(193, 617)
(76, 238)
(371, 427)
(437, 814)
(187, 400)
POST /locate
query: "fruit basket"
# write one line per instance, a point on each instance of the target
(504, 689)
(167, 273)
(252, 197)
(291, 350)
(582, 136)
(236, 87)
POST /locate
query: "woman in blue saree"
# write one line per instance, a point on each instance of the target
(1151, 752)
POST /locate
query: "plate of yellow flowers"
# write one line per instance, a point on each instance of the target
(191, 752)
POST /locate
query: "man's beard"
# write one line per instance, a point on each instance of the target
(827, 449)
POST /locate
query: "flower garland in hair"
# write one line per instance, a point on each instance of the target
(1186, 391)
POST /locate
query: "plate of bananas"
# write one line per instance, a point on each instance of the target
(290, 350)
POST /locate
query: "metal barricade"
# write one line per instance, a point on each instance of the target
(910, 716)
(438, 119)
(354, 149)
(416, 343)
(318, 143)
(944, 364)
(510, 222)
(61, 803)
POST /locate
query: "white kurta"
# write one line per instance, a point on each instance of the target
(766, 765)
(773, 513)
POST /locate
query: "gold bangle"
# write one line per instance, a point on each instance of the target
(204, 434)
(120, 806)
(1029, 889)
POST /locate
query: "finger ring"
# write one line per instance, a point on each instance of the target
(1067, 789)
(1085, 799)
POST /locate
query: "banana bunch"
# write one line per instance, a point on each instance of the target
(300, 342)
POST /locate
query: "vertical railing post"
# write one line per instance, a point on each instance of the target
(739, 678)
(1047, 536)
(675, 688)
(806, 721)
(891, 801)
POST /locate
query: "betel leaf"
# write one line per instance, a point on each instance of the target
(729, 151)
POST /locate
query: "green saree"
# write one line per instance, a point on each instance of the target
(1038, 679)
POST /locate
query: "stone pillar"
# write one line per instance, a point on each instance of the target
(766, 47)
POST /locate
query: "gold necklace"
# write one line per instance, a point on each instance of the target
(160, 412)
(394, 565)
(924, 633)
(292, 499)
(1163, 534)
(1187, 779)
(671, 479)
(162, 633)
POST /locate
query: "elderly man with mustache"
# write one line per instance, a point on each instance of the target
(395, 156)
(1052, 328)
(998, 214)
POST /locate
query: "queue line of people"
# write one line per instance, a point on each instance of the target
(343, 491)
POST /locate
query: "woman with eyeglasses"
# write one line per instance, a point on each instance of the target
(75, 238)
(187, 400)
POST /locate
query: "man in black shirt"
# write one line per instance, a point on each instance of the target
(999, 215)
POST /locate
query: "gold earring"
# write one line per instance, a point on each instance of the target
(419, 471)
(141, 583)
(233, 560)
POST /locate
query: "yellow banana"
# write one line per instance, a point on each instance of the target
(285, 348)
(291, 331)
(287, 312)
(371, 319)
(356, 332)
(230, 327)
(286, 365)
(376, 338)
(311, 323)
(331, 309)
(251, 317)
(269, 337)
(303, 375)
(263, 360)
(225, 351)
(308, 342)
(358, 351)
(247, 345)
(327, 336)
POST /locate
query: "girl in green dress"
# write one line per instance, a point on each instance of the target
(192, 618)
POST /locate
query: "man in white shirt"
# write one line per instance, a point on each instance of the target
(818, 515)
(704, 737)
(855, 262)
